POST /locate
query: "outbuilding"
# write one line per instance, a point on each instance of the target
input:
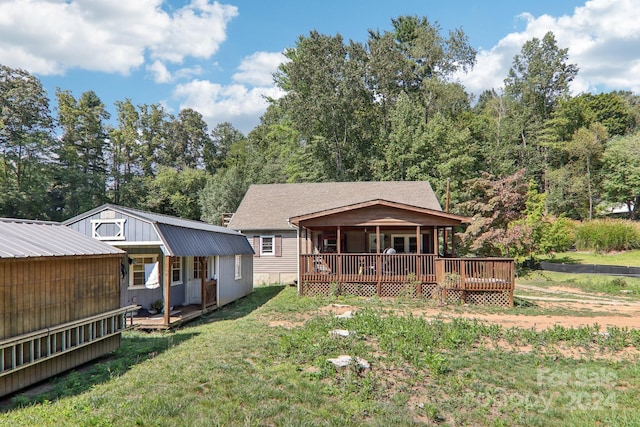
(182, 268)
(59, 301)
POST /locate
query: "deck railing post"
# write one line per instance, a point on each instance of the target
(378, 275)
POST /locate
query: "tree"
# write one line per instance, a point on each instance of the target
(25, 141)
(125, 157)
(538, 79)
(494, 203)
(585, 149)
(81, 175)
(621, 172)
(176, 193)
(540, 75)
(186, 137)
(329, 104)
(222, 194)
(216, 148)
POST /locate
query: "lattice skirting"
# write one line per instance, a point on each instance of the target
(397, 290)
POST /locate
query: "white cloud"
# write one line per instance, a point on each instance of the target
(258, 69)
(161, 74)
(50, 36)
(603, 38)
(235, 103)
(241, 103)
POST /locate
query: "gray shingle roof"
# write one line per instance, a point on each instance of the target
(269, 206)
(21, 238)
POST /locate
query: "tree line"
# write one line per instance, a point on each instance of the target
(386, 109)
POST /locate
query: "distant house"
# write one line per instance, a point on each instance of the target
(59, 301)
(190, 266)
(365, 238)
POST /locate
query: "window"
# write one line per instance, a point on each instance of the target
(404, 243)
(197, 268)
(176, 271)
(266, 245)
(108, 229)
(140, 268)
(238, 267)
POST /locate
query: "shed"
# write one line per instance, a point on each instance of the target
(187, 267)
(59, 301)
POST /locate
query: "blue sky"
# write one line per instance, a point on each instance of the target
(217, 57)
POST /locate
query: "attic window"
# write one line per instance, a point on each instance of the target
(108, 229)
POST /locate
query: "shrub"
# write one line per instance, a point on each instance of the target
(557, 235)
(607, 235)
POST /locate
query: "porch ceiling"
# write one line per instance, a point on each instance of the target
(378, 213)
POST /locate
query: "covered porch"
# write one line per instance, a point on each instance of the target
(389, 250)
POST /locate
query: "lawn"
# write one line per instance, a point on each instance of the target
(626, 258)
(262, 361)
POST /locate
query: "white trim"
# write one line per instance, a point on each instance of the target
(149, 243)
(130, 286)
(118, 222)
(238, 267)
(273, 245)
(179, 281)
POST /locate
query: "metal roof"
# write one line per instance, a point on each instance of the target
(270, 206)
(21, 238)
(180, 241)
(184, 237)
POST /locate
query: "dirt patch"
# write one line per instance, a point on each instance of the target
(337, 309)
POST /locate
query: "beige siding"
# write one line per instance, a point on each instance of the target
(273, 269)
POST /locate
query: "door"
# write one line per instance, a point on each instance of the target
(194, 281)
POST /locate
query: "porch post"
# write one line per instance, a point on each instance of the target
(167, 290)
(378, 263)
(339, 246)
(435, 240)
(418, 262)
(203, 292)
(299, 237)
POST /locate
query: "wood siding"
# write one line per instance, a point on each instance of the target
(37, 294)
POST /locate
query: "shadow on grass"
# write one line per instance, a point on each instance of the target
(561, 260)
(519, 302)
(242, 307)
(136, 347)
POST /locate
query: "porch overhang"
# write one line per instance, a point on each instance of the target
(378, 213)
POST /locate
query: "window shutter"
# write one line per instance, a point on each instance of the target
(277, 246)
(256, 246)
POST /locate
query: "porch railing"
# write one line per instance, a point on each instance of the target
(209, 293)
(386, 274)
(364, 268)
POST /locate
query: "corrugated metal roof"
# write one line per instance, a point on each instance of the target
(182, 241)
(270, 206)
(184, 237)
(154, 218)
(21, 238)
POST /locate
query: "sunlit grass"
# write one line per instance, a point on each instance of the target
(234, 368)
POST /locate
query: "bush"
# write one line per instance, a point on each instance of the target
(607, 235)
(557, 235)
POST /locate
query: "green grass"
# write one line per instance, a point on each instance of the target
(615, 286)
(234, 369)
(626, 258)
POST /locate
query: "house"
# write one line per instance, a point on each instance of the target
(366, 238)
(59, 301)
(189, 267)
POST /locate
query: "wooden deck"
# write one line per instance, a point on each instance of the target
(178, 316)
(467, 280)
